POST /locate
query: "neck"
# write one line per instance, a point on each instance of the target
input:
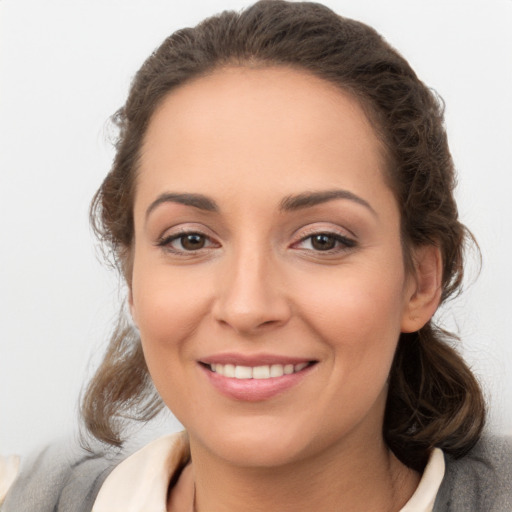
(357, 479)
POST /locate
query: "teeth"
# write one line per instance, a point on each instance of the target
(228, 370)
(243, 372)
(256, 372)
(261, 372)
(276, 370)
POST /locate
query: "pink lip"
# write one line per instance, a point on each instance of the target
(253, 390)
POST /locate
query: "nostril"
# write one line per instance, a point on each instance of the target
(269, 322)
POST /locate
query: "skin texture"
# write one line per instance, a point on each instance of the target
(248, 139)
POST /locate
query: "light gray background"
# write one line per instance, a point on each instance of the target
(65, 67)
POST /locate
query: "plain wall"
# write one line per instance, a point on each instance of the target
(65, 67)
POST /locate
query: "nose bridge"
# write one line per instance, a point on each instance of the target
(250, 293)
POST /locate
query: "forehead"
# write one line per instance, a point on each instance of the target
(260, 127)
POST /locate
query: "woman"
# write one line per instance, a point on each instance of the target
(281, 208)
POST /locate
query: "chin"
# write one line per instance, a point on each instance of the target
(264, 444)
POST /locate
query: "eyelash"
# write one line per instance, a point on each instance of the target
(343, 243)
(166, 242)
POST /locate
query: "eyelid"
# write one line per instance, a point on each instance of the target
(184, 228)
(175, 233)
(321, 228)
(347, 241)
(176, 236)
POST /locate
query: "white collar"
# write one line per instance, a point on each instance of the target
(141, 482)
(425, 494)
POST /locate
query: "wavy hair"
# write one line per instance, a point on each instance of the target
(433, 399)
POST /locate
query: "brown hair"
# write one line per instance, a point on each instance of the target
(433, 400)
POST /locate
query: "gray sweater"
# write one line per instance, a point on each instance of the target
(63, 480)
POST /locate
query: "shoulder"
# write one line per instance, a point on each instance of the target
(479, 481)
(60, 478)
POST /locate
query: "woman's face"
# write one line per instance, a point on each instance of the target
(267, 245)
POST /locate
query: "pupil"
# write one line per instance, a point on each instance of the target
(323, 242)
(192, 242)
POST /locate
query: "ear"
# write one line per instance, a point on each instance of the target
(424, 288)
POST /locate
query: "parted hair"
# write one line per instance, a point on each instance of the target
(434, 399)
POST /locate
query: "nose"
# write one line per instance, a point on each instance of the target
(250, 294)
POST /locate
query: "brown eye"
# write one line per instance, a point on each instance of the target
(192, 242)
(323, 242)
(330, 243)
(187, 243)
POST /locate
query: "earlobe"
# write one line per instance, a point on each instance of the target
(424, 294)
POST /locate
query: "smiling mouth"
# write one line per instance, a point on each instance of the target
(257, 372)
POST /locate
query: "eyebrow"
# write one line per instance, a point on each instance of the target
(309, 199)
(288, 204)
(196, 200)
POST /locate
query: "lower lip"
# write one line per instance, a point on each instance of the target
(254, 390)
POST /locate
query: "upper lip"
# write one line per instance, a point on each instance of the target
(253, 359)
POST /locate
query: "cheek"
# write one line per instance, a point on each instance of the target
(359, 321)
(358, 302)
(168, 309)
(168, 314)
